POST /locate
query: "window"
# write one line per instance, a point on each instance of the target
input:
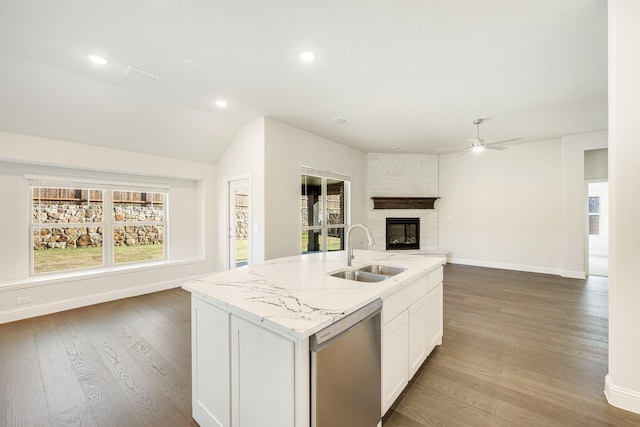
(67, 228)
(594, 215)
(323, 211)
(85, 226)
(138, 226)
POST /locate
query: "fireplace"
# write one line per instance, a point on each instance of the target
(403, 233)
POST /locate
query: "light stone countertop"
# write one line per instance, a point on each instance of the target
(295, 296)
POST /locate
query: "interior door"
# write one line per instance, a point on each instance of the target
(239, 223)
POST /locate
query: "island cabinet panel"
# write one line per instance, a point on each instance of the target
(435, 278)
(210, 361)
(434, 317)
(418, 344)
(243, 374)
(262, 377)
(395, 373)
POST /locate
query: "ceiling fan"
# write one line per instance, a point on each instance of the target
(478, 144)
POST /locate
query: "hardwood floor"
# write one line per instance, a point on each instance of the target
(519, 349)
(122, 363)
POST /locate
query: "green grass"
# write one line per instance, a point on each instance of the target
(242, 250)
(333, 243)
(124, 254)
(50, 260)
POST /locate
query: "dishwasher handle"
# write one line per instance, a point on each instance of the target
(325, 336)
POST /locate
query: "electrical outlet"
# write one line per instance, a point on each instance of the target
(546, 262)
(23, 300)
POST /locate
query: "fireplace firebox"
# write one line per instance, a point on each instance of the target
(403, 233)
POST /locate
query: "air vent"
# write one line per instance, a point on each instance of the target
(340, 120)
(136, 73)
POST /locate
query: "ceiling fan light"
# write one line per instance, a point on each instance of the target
(98, 60)
(477, 149)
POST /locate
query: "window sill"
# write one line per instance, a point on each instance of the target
(74, 276)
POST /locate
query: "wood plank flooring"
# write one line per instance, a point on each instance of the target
(519, 349)
(122, 363)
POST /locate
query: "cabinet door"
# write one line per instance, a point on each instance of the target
(418, 344)
(395, 372)
(262, 377)
(211, 364)
(434, 318)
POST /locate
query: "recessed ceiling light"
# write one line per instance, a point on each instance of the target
(307, 56)
(98, 60)
(398, 148)
(221, 103)
(191, 62)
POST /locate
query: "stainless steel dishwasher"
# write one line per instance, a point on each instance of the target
(345, 371)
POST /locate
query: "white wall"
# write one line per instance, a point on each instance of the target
(243, 158)
(522, 208)
(622, 385)
(191, 228)
(402, 175)
(503, 208)
(596, 164)
(287, 148)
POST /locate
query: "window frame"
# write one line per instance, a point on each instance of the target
(598, 214)
(325, 226)
(108, 223)
(113, 224)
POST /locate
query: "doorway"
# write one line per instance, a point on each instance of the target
(239, 220)
(598, 228)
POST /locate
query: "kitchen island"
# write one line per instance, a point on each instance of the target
(251, 329)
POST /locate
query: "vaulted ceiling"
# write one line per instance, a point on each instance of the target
(407, 75)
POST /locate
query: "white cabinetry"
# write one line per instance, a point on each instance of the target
(210, 363)
(434, 317)
(411, 328)
(243, 375)
(395, 339)
(418, 349)
(261, 377)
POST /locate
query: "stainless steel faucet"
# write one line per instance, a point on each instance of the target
(349, 248)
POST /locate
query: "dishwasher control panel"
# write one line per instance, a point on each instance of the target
(345, 324)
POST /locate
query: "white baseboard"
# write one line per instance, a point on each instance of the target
(573, 274)
(601, 254)
(519, 267)
(68, 304)
(506, 266)
(622, 398)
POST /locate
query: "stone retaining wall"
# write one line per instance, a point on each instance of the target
(73, 226)
(242, 222)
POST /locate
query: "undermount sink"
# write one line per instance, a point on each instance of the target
(385, 270)
(360, 276)
(369, 273)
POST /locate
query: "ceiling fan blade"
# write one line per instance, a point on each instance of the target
(494, 148)
(465, 151)
(453, 149)
(502, 141)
